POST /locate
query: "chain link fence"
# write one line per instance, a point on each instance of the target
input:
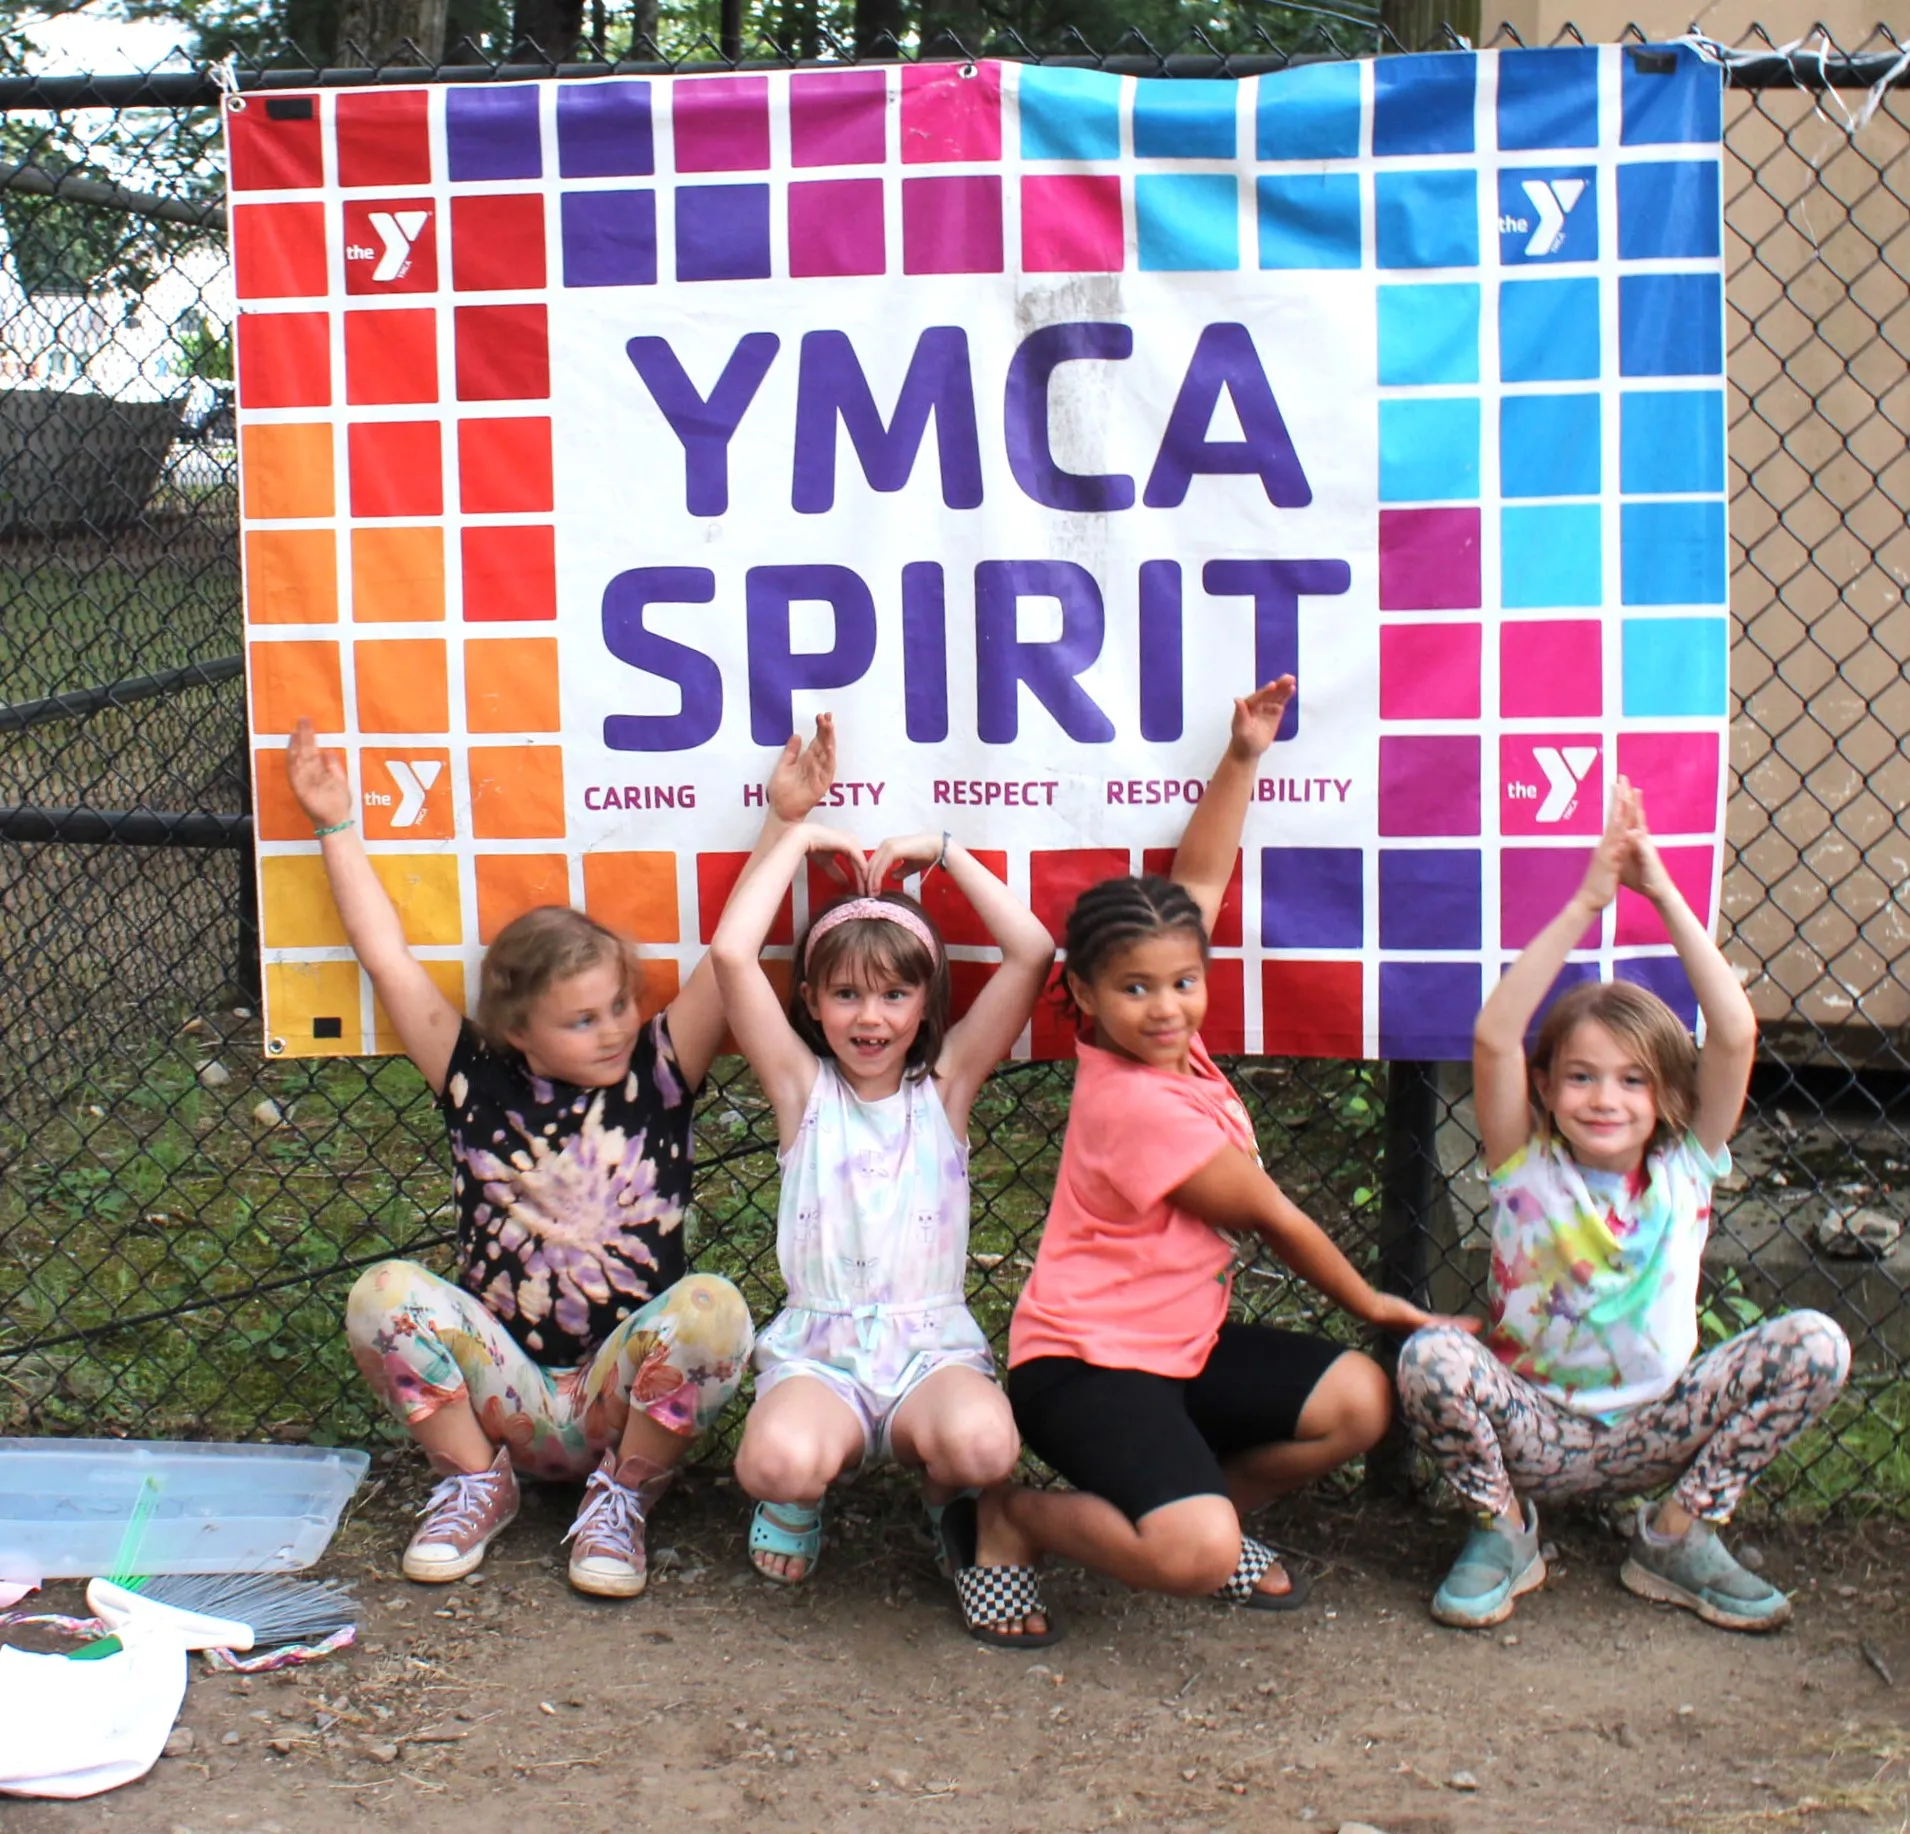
(180, 1217)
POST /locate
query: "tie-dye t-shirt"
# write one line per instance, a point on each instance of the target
(1594, 1295)
(570, 1201)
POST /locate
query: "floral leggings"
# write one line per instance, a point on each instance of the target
(422, 1343)
(1495, 1437)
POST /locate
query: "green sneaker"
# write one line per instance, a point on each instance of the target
(1698, 1572)
(1492, 1570)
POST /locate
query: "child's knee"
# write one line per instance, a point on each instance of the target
(980, 1449)
(785, 1464)
(1200, 1557)
(1356, 1399)
(377, 1296)
(1431, 1362)
(709, 1308)
(1810, 1343)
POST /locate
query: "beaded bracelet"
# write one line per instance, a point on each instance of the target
(337, 827)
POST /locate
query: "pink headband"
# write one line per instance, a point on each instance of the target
(877, 910)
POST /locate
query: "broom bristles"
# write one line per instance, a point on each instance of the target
(279, 1610)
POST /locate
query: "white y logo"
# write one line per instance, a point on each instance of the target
(414, 781)
(398, 230)
(1565, 768)
(1552, 199)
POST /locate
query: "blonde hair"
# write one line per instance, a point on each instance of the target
(1645, 1028)
(532, 952)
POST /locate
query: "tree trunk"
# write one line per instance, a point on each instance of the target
(1419, 25)
(378, 29)
(879, 24)
(553, 26)
(643, 28)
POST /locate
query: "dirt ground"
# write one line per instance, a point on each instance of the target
(856, 1704)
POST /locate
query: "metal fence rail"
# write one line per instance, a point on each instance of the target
(180, 1216)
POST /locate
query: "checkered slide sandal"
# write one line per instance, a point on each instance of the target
(1255, 1558)
(991, 1595)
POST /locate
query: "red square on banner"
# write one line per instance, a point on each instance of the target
(965, 981)
(397, 468)
(278, 251)
(716, 876)
(497, 243)
(1226, 930)
(1224, 1029)
(391, 245)
(1053, 1028)
(391, 356)
(273, 144)
(384, 137)
(510, 574)
(285, 360)
(954, 916)
(1055, 880)
(503, 353)
(1311, 1009)
(504, 467)
(824, 888)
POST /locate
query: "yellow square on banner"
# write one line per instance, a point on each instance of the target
(424, 887)
(291, 576)
(634, 893)
(397, 576)
(312, 1008)
(450, 979)
(295, 904)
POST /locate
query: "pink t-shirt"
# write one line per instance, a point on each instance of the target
(1123, 1279)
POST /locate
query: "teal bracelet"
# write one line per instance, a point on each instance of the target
(337, 827)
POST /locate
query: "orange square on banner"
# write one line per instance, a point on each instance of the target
(662, 981)
(285, 471)
(517, 792)
(510, 684)
(449, 977)
(424, 887)
(716, 876)
(405, 793)
(295, 903)
(311, 1008)
(401, 684)
(291, 576)
(1312, 1009)
(276, 815)
(397, 576)
(1226, 930)
(294, 679)
(634, 893)
(509, 884)
(510, 573)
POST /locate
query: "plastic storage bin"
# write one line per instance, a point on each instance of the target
(65, 1505)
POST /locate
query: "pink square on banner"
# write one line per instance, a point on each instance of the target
(838, 118)
(1429, 785)
(1677, 773)
(1535, 884)
(721, 123)
(1429, 560)
(1551, 783)
(1071, 224)
(1691, 872)
(835, 227)
(951, 225)
(1551, 670)
(948, 115)
(1429, 671)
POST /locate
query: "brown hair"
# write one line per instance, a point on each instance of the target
(862, 949)
(543, 946)
(1645, 1027)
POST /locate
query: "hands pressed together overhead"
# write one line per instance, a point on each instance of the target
(1625, 854)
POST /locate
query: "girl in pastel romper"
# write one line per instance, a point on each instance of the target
(572, 1343)
(1602, 1150)
(875, 1353)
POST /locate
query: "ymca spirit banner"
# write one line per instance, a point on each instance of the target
(596, 435)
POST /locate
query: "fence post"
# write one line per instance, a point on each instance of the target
(1408, 1191)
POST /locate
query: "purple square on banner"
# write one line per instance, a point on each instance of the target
(838, 118)
(835, 227)
(1429, 560)
(1429, 785)
(1535, 884)
(492, 133)
(721, 123)
(951, 225)
(1573, 974)
(603, 130)
(1426, 1010)
(722, 232)
(610, 238)
(1663, 975)
(1312, 898)
(1677, 774)
(1429, 898)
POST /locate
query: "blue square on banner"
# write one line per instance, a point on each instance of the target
(1548, 98)
(1187, 222)
(1185, 118)
(1428, 335)
(1671, 97)
(1423, 104)
(1069, 114)
(1548, 214)
(1426, 1010)
(1311, 898)
(1309, 220)
(1670, 325)
(1673, 553)
(1429, 450)
(1549, 556)
(722, 232)
(1548, 446)
(1668, 210)
(1548, 331)
(1426, 219)
(1676, 668)
(492, 132)
(1308, 111)
(1671, 442)
(603, 130)
(610, 238)
(1429, 898)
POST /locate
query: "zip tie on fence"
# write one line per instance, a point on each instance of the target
(225, 79)
(1803, 50)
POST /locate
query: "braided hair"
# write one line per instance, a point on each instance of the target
(1118, 913)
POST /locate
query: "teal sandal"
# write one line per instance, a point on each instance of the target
(792, 1530)
(934, 1512)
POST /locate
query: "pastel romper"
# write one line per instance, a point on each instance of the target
(872, 1238)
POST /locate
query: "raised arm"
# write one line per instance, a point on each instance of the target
(1204, 861)
(425, 1021)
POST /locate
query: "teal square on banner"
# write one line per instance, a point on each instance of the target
(1188, 222)
(1428, 335)
(1548, 331)
(1429, 450)
(1426, 219)
(1673, 553)
(1676, 668)
(1069, 114)
(1549, 556)
(1548, 446)
(1309, 111)
(1671, 442)
(1309, 220)
(1185, 118)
